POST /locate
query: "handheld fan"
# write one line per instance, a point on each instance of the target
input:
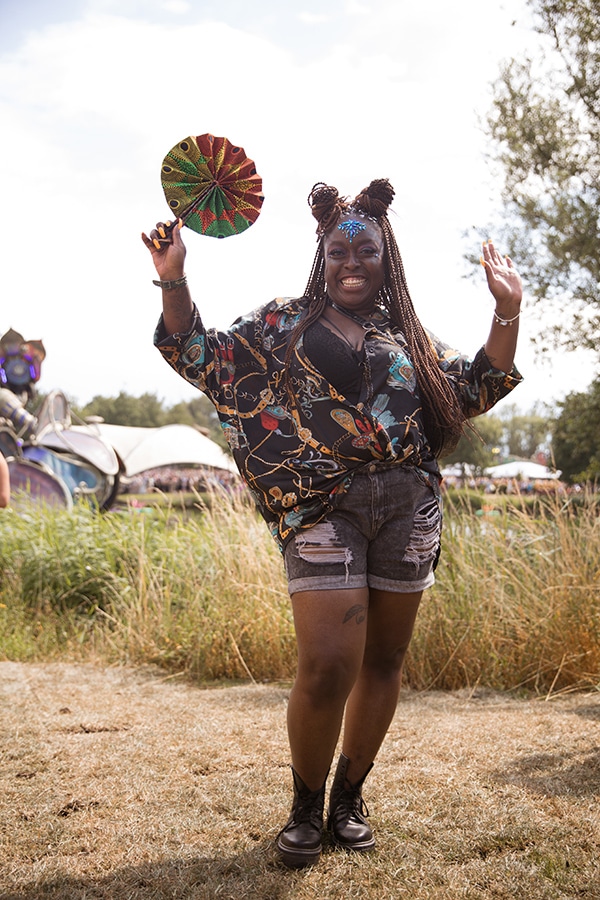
(212, 185)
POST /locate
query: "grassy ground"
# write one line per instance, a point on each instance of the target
(126, 783)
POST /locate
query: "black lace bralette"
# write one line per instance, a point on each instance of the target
(336, 360)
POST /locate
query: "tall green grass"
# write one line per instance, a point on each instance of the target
(516, 603)
(517, 599)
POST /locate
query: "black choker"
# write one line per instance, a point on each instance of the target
(348, 313)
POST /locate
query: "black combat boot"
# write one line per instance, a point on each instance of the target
(299, 841)
(347, 811)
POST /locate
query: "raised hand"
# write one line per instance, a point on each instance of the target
(503, 280)
(168, 254)
(167, 248)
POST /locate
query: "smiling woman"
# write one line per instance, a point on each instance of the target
(354, 269)
(336, 406)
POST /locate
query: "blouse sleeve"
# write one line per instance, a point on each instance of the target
(198, 355)
(478, 383)
(215, 361)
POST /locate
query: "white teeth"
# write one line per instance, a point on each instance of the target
(350, 281)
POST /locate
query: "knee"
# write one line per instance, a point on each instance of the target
(326, 680)
(385, 666)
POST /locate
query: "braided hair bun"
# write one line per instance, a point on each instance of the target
(375, 199)
(326, 205)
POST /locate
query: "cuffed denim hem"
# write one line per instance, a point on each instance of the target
(326, 583)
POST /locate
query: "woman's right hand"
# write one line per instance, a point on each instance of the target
(167, 249)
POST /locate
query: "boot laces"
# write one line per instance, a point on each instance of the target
(351, 804)
(309, 809)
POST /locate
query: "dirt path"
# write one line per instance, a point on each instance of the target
(123, 783)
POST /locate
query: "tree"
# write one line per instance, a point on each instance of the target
(576, 436)
(545, 128)
(526, 434)
(200, 413)
(146, 411)
(505, 433)
(478, 448)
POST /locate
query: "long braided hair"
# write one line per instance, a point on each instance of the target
(443, 416)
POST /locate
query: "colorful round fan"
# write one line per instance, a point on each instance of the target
(212, 185)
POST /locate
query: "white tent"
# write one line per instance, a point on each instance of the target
(458, 470)
(524, 469)
(171, 445)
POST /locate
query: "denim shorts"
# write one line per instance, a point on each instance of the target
(384, 533)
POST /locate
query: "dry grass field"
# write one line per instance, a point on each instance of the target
(123, 783)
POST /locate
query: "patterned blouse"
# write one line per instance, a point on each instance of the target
(298, 459)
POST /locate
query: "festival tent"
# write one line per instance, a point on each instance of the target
(459, 470)
(141, 449)
(524, 469)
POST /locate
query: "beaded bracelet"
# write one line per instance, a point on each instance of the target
(501, 321)
(171, 285)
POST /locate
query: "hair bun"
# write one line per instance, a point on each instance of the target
(375, 199)
(326, 205)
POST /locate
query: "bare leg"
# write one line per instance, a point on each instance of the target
(331, 631)
(374, 697)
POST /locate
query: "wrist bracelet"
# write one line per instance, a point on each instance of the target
(502, 321)
(170, 285)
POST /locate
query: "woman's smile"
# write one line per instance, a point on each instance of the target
(353, 281)
(354, 267)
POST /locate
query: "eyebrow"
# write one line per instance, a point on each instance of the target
(334, 239)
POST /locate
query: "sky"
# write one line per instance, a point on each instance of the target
(93, 94)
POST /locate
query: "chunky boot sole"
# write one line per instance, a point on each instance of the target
(346, 821)
(357, 847)
(296, 858)
(299, 841)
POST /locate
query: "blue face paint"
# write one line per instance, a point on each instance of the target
(351, 228)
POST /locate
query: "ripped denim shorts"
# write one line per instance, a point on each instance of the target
(384, 533)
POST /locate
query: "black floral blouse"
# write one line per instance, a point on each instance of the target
(297, 460)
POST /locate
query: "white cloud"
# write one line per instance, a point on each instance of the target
(178, 7)
(355, 8)
(310, 18)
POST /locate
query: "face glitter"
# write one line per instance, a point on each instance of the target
(351, 228)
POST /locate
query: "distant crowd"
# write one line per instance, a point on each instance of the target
(541, 486)
(172, 479)
(178, 479)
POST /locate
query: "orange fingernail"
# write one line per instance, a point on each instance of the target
(161, 231)
(156, 243)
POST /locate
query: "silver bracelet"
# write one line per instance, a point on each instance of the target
(171, 285)
(502, 321)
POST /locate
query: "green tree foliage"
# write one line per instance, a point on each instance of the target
(148, 411)
(507, 433)
(576, 436)
(545, 127)
(199, 413)
(478, 448)
(525, 434)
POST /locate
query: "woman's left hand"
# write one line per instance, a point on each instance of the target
(503, 279)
